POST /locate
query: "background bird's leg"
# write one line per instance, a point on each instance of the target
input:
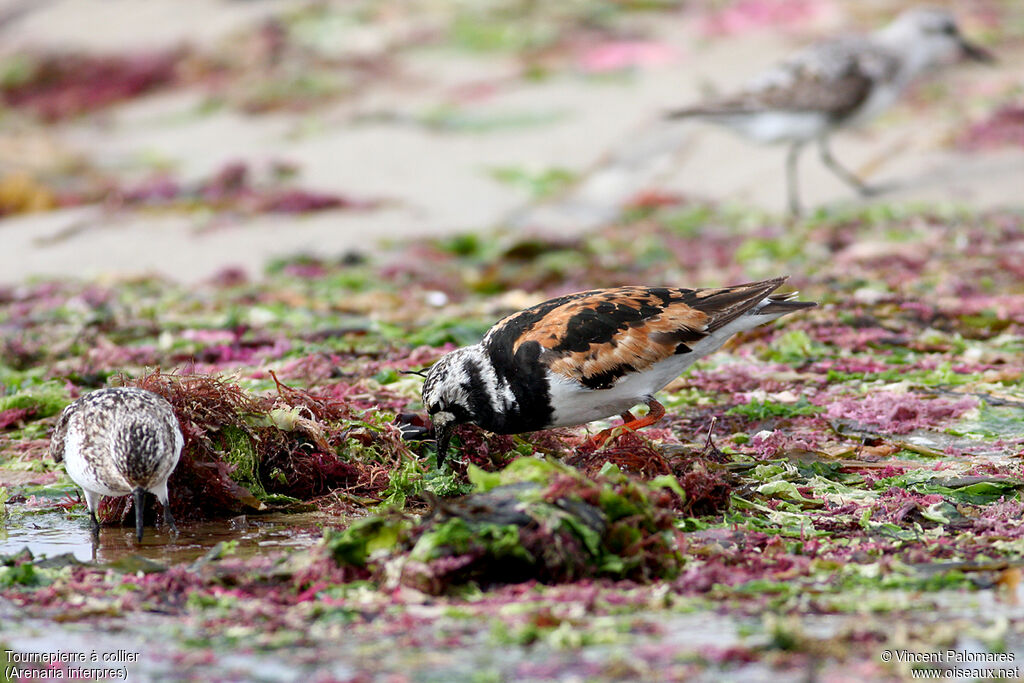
(846, 176)
(655, 412)
(792, 182)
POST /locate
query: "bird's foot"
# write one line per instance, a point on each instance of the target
(877, 189)
(169, 521)
(630, 423)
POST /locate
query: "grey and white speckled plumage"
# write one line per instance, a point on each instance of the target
(846, 78)
(837, 83)
(118, 441)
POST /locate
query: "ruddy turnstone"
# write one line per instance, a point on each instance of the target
(119, 441)
(838, 83)
(590, 355)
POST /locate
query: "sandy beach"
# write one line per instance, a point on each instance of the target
(426, 137)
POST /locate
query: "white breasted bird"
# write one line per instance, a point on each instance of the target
(590, 355)
(838, 83)
(119, 441)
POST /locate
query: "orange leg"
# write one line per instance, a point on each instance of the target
(655, 412)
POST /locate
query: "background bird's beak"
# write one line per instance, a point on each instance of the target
(976, 53)
(443, 435)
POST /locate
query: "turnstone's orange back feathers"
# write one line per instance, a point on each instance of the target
(594, 337)
(597, 336)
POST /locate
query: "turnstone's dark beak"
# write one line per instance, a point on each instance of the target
(443, 434)
(976, 52)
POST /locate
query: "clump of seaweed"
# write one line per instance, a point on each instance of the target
(250, 452)
(629, 451)
(58, 86)
(534, 520)
(233, 188)
(708, 486)
(210, 411)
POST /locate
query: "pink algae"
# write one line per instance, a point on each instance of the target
(898, 413)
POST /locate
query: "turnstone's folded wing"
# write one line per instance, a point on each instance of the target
(597, 336)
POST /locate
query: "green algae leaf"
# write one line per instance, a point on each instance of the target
(536, 470)
(242, 454)
(541, 184)
(941, 512)
(134, 564)
(992, 422)
(23, 570)
(467, 121)
(787, 490)
(668, 481)
(579, 527)
(615, 505)
(838, 492)
(405, 481)
(356, 544)
(21, 575)
(984, 492)
(975, 493)
(763, 410)
(439, 333)
(771, 471)
(451, 537)
(481, 479)
(458, 536)
(795, 347)
(751, 515)
(45, 400)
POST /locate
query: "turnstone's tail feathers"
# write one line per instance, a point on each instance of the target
(727, 304)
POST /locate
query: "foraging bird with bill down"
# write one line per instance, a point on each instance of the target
(590, 355)
(116, 442)
(835, 84)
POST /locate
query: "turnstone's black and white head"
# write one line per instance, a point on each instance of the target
(590, 355)
(119, 441)
(838, 83)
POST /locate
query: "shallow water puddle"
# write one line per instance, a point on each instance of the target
(55, 533)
